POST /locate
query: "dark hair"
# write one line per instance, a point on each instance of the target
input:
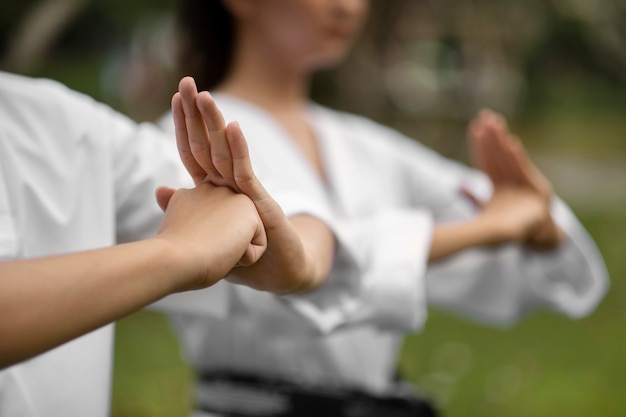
(207, 36)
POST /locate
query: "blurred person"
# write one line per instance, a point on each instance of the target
(77, 177)
(411, 227)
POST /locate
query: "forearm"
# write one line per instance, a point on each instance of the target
(451, 238)
(48, 301)
(318, 244)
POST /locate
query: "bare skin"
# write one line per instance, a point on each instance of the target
(502, 156)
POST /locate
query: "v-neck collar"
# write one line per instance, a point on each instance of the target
(286, 137)
(336, 157)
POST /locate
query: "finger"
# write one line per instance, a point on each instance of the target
(256, 248)
(220, 152)
(515, 162)
(246, 180)
(483, 151)
(182, 141)
(509, 163)
(471, 197)
(521, 154)
(498, 148)
(163, 196)
(475, 137)
(530, 173)
(495, 153)
(199, 139)
(520, 163)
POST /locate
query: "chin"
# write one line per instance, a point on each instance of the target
(327, 60)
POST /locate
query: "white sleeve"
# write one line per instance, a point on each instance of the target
(496, 285)
(500, 285)
(145, 158)
(377, 278)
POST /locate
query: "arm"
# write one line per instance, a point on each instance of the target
(48, 301)
(479, 261)
(518, 211)
(502, 156)
(300, 249)
(508, 218)
(553, 264)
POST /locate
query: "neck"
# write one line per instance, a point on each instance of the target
(265, 78)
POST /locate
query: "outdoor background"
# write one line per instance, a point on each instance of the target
(556, 69)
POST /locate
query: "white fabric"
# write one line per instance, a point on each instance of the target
(383, 194)
(73, 174)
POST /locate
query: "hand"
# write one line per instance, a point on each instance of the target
(202, 147)
(511, 214)
(490, 126)
(212, 228)
(503, 158)
(215, 152)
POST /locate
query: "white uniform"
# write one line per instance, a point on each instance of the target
(74, 175)
(383, 194)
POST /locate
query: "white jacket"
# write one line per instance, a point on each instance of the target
(382, 196)
(74, 175)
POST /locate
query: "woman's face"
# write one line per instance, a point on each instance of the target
(311, 34)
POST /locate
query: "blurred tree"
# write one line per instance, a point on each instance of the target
(423, 59)
(30, 44)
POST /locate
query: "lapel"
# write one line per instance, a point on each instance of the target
(344, 180)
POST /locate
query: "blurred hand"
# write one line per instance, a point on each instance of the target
(503, 158)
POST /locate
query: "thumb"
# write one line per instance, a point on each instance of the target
(163, 196)
(471, 197)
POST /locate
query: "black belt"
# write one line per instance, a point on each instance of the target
(236, 395)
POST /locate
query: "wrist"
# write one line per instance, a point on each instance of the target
(491, 233)
(181, 267)
(546, 236)
(449, 239)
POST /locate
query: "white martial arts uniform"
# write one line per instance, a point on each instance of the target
(383, 194)
(74, 175)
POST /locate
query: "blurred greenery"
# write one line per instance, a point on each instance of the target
(572, 107)
(151, 377)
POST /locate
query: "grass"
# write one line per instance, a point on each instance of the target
(151, 377)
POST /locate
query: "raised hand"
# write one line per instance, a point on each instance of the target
(200, 155)
(490, 127)
(300, 249)
(503, 158)
(201, 138)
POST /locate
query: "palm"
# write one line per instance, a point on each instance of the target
(503, 158)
